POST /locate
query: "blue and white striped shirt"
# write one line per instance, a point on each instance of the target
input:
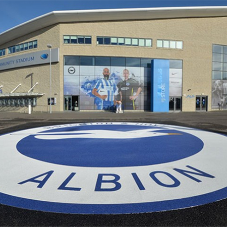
(106, 87)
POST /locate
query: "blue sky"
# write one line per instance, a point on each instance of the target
(15, 12)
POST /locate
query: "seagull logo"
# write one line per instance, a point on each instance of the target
(103, 134)
(44, 56)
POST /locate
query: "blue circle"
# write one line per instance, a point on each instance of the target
(99, 152)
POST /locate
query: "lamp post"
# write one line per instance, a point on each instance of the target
(50, 46)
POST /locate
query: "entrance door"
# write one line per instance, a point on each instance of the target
(201, 103)
(68, 103)
(75, 102)
(71, 103)
(174, 103)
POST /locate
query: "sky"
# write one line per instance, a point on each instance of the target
(15, 12)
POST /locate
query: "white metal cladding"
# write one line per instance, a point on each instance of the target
(110, 15)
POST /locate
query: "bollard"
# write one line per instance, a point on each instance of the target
(29, 107)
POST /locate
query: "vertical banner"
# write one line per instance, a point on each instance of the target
(160, 85)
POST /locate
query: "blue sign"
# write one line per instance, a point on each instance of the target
(160, 85)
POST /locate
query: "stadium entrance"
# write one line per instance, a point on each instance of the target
(201, 103)
(174, 103)
(71, 103)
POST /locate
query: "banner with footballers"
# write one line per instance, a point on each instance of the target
(110, 84)
(219, 94)
(98, 87)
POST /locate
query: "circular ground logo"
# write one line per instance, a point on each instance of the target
(110, 168)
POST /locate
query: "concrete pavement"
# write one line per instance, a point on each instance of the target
(214, 121)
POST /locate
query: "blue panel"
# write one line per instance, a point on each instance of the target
(160, 85)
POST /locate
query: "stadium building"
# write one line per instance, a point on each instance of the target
(151, 59)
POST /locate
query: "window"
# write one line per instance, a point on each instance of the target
(76, 39)
(113, 41)
(148, 42)
(225, 58)
(132, 62)
(176, 64)
(9, 50)
(141, 42)
(225, 67)
(117, 61)
(102, 61)
(72, 60)
(124, 41)
(87, 61)
(13, 49)
(16, 48)
(2, 52)
(146, 62)
(159, 43)
(23, 46)
(88, 39)
(179, 45)
(224, 75)
(30, 45)
(134, 42)
(106, 40)
(26, 46)
(81, 39)
(73, 39)
(172, 44)
(35, 44)
(66, 39)
(165, 43)
(217, 57)
(121, 41)
(128, 41)
(217, 49)
(216, 75)
(219, 64)
(100, 40)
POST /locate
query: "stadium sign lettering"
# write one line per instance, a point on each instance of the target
(190, 172)
(29, 59)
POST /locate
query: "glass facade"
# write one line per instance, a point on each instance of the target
(219, 77)
(128, 80)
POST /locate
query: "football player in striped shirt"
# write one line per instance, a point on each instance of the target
(104, 91)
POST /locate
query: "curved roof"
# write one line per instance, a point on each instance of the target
(110, 15)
